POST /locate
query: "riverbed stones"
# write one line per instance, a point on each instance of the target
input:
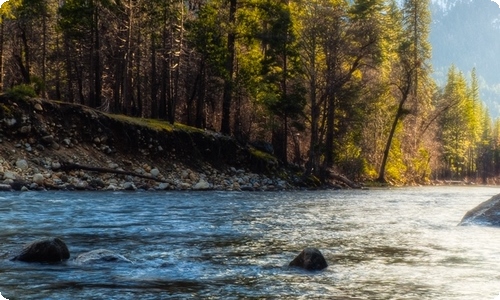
(201, 185)
(129, 186)
(9, 175)
(101, 256)
(310, 259)
(22, 164)
(44, 250)
(38, 179)
(486, 213)
(154, 172)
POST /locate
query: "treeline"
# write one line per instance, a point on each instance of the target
(333, 85)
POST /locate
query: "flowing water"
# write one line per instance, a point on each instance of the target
(380, 244)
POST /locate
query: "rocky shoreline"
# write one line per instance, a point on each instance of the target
(23, 175)
(40, 138)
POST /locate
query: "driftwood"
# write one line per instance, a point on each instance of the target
(345, 181)
(67, 166)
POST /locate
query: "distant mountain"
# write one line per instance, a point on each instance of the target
(466, 33)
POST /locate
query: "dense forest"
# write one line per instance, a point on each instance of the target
(329, 85)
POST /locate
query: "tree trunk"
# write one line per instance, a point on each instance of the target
(97, 62)
(228, 83)
(154, 85)
(405, 93)
(200, 100)
(44, 55)
(399, 114)
(25, 58)
(1, 52)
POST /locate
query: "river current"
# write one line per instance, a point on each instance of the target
(380, 244)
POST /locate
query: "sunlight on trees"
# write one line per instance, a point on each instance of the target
(334, 86)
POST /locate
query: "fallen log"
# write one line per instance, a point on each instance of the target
(67, 166)
(345, 181)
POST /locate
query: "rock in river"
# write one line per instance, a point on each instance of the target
(310, 259)
(45, 250)
(486, 213)
(100, 255)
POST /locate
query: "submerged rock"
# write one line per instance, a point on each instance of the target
(310, 259)
(46, 250)
(486, 213)
(99, 256)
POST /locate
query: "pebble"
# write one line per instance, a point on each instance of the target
(43, 172)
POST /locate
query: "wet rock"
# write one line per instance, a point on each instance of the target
(111, 187)
(163, 186)
(184, 186)
(97, 183)
(486, 213)
(201, 185)
(100, 256)
(129, 186)
(247, 188)
(81, 185)
(45, 250)
(19, 185)
(5, 187)
(309, 259)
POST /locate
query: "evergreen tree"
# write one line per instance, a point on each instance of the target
(412, 73)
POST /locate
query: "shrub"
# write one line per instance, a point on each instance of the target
(21, 92)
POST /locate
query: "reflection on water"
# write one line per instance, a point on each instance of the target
(380, 244)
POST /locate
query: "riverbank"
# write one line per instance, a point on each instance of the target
(48, 145)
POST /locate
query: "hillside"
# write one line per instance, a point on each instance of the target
(467, 34)
(55, 145)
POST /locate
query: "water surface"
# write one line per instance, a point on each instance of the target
(380, 244)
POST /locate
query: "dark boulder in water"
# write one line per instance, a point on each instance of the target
(486, 213)
(100, 256)
(45, 250)
(310, 259)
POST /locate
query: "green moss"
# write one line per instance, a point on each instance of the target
(154, 124)
(5, 111)
(263, 155)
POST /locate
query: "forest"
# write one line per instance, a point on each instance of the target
(328, 85)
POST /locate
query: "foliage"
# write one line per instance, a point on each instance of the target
(332, 84)
(21, 92)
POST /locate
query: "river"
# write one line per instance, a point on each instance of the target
(380, 244)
